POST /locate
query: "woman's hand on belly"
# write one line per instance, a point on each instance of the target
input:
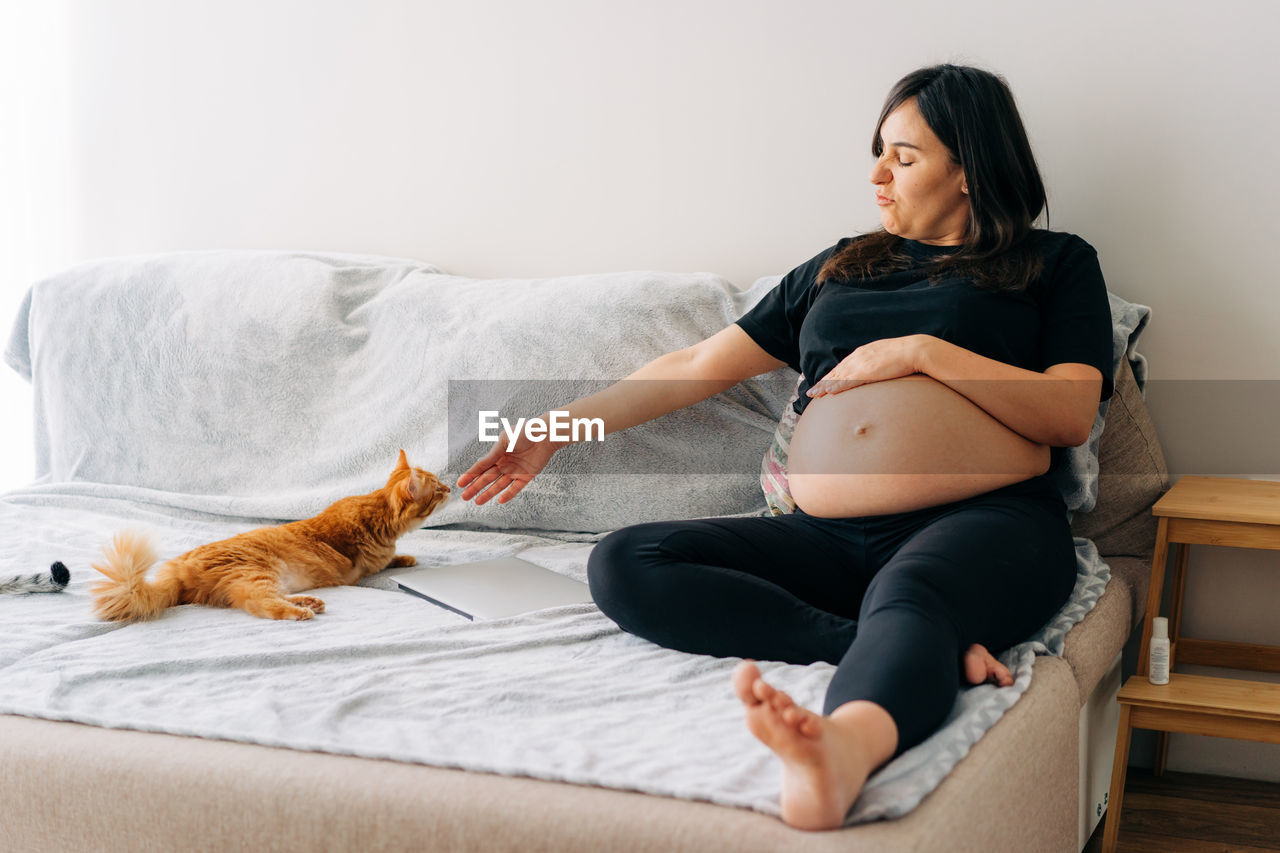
(877, 361)
(902, 444)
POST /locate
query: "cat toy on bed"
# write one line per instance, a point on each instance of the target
(55, 580)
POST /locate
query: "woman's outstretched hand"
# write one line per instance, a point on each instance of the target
(503, 473)
(887, 358)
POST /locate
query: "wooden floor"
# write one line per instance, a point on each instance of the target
(1192, 813)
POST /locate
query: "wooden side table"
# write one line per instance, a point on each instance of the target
(1200, 511)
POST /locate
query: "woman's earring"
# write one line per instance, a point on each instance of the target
(964, 190)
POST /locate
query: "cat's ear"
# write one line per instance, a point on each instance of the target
(414, 487)
(403, 462)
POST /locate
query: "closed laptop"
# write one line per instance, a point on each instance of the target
(492, 589)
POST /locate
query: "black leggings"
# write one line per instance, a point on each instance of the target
(894, 599)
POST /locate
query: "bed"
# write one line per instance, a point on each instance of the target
(200, 394)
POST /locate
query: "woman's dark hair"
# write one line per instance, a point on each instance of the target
(972, 112)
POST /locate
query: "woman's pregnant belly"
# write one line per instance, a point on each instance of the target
(899, 445)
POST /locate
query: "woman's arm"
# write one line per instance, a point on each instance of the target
(669, 382)
(676, 380)
(1056, 407)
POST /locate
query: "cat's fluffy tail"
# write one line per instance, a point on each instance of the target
(125, 595)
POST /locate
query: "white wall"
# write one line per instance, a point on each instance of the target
(37, 227)
(501, 137)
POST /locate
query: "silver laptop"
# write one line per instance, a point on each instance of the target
(491, 589)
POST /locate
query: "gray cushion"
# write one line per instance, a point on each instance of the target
(1132, 476)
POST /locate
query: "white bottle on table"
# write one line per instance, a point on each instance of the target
(1158, 667)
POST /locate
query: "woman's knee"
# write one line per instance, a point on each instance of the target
(618, 564)
(905, 582)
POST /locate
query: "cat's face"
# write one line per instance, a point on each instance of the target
(415, 492)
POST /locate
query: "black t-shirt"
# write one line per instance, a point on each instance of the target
(1064, 316)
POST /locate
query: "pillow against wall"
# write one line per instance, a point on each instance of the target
(1077, 476)
(1132, 476)
(267, 384)
(773, 467)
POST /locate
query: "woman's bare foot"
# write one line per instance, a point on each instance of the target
(825, 760)
(981, 667)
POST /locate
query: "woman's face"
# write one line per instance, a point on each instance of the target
(919, 187)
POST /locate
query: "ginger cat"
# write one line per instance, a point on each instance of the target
(257, 570)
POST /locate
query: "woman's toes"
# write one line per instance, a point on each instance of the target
(802, 721)
(980, 667)
(763, 690)
(784, 718)
(745, 675)
(807, 723)
(975, 668)
(793, 716)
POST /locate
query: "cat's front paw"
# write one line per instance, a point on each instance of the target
(310, 602)
(401, 561)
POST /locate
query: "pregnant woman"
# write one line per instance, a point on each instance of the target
(946, 355)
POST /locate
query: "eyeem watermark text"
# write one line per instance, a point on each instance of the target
(559, 427)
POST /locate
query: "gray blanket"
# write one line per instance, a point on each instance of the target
(561, 694)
